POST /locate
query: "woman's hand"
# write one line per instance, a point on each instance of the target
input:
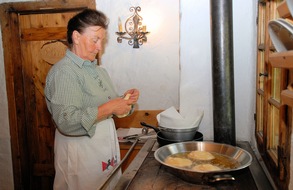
(134, 95)
(118, 106)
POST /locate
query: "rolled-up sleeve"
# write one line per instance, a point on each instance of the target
(65, 102)
(74, 89)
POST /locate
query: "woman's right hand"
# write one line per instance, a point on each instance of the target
(117, 107)
(120, 106)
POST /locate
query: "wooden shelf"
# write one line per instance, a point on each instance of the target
(148, 116)
(283, 10)
(282, 59)
(287, 97)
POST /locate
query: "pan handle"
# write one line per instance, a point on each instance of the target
(149, 126)
(224, 177)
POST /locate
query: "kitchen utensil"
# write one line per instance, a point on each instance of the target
(242, 156)
(281, 31)
(164, 141)
(174, 134)
(144, 132)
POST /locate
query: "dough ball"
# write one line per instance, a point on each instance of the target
(200, 155)
(125, 98)
(206, 168)
(178, 162)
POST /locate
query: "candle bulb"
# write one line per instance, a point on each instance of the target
(119, 25)
(144, 28)
(132, 29)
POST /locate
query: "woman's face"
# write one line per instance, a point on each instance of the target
(88, 43)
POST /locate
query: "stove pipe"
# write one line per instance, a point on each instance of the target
(222, 71)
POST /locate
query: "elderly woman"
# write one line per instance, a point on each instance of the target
(82, 100)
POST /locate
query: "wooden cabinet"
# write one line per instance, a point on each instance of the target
(284, 60)
(274, 95)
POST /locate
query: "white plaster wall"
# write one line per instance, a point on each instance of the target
(195, 60)
(154, 67)
(245, 56)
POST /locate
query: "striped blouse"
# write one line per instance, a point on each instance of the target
(74, 89)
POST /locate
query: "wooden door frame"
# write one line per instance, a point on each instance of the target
(9, 13)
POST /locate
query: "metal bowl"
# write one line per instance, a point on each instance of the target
(178, 134)
(242, 156)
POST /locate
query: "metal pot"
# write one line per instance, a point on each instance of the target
(240, 155)
(164, 141)
(174, 134)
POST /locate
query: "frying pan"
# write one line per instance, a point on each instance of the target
(164, 141)
(242, 156)
(184, 134)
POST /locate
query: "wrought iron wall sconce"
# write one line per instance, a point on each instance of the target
(134, 28)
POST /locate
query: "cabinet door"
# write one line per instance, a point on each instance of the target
(40, 49)
(34, 38)
(262, 74)
(272, 117)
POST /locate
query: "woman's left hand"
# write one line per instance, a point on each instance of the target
(134, 95)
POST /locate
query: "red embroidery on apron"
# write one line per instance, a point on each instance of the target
(111, 162)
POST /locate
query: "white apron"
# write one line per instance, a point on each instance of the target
(83, 163)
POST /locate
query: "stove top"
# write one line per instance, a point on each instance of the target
(145, 172)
